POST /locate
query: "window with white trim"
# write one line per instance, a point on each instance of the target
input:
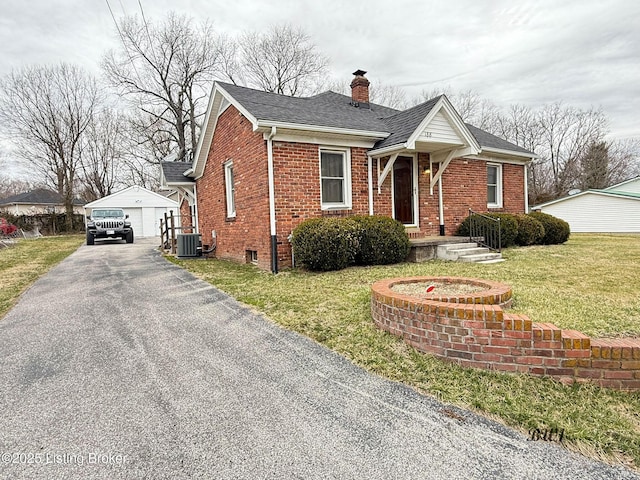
(494, 186)
(335, 179)
(230, 189)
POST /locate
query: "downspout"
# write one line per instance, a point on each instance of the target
(370, 180)
(441, 207)
(272, 203)
(526, 189)
(195, 208)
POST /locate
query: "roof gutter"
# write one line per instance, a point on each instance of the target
(320, 129)
(527, 155)
(272, 201)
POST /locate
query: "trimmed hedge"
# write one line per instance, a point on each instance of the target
(326, 243)
(383, 241)
(556, 231)
(334, 243)
(530, 230)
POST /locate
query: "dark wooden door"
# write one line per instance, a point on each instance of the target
(403, 189)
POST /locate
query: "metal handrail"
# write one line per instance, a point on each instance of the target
(485, 231)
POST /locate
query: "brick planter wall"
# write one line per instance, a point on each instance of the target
(474, 331)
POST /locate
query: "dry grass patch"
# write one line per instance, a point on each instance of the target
(27, 260)
(562, 284)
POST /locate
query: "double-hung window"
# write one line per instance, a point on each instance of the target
(494, 186)
(230, 189)
(335, 179)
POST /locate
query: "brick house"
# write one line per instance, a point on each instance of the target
(266, 162)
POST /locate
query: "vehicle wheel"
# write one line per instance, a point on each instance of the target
(130, 237)
(90, 239)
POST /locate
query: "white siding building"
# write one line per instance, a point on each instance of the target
(144, 207)
(613, 210)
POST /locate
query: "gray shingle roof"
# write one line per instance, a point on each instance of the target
(327, 109)
(403, 124)
(39, 196)
(174, 172)
(332, 109)
(488, 140)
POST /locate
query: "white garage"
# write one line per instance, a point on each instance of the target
(144, 207)
(613, 210)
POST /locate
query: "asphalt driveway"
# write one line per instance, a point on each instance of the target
(118, 364)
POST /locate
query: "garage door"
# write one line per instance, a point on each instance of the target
(135, 217)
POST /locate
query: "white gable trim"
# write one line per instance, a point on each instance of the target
(219, 101)
(455, 121)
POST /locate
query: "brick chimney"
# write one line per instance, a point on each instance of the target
(360, 88)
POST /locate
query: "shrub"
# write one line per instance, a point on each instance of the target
(382, 241)
(530, 230)
(556, 231)
(326, 243)
(335, 243)
(508, 227)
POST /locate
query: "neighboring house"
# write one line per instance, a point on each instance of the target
(144, 207)
(267, 162)
(615, 209)
(38, 202)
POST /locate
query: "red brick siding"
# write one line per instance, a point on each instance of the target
(297, 191)
(464, 186)
(185, 216)
(513, 188)
(235, 139)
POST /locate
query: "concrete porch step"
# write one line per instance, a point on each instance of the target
(495, 260)
(457, 246)
(468, 252)
(481, 257)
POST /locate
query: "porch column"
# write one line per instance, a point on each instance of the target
(441, 207)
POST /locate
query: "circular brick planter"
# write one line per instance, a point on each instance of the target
(491, 293)
(473, 330)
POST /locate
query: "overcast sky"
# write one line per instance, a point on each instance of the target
(584, 52)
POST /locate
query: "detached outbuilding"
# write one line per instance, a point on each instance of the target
(615, 209)
(144, 207)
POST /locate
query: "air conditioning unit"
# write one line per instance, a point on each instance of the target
(189, 245)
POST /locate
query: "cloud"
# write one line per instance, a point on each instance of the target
(584, 52)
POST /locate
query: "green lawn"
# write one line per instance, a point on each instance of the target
(23, 263)
(589, 284)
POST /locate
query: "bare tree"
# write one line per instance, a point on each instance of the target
(566, 134)
(594, 166)
(46, 110)
(624, 160)
(282, 60)
(146, 148)
(10, 186)
(166, 70)
(474, 109)
(103, 155)
(391, 96)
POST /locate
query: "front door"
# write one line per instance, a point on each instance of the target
(403, 190)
